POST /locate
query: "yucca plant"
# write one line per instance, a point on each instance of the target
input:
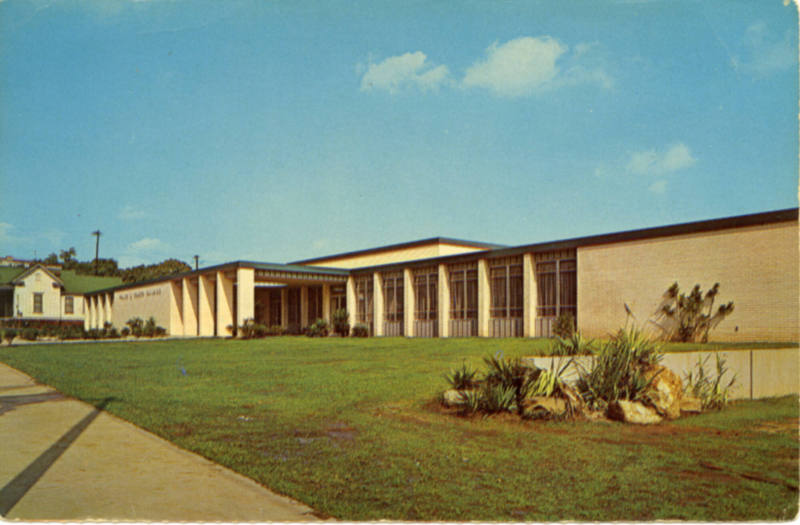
(462, 378)
(497, 397)
(512, 374)
(712, 392)
(617, 369)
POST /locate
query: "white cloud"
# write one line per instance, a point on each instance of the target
(407, 70)
(129, 213)
(765, 54)
(517, 67)
(651, 162)
(148, 244)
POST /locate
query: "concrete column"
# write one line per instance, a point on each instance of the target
(528, 296)
(109, 313)
(484, 298)
(444, 301)
(175, 308)
(206, 308)
(352, 304)
(326, 302)
(101, 311)
(245, 295)
(87, 313)
(224, 306)
(189, 307)
(408, 303)
(304, 320)
(285, 307)
(377, 303)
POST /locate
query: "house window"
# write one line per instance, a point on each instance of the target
(464, 292)
(426, 293)
(69, 305)
(393, 300)
(38, 299)
(506, 288)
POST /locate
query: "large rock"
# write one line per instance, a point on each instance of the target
(555, 406)
(665, 391)
(632, 412)
(453, 397)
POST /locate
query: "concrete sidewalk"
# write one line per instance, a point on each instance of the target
(62, 459)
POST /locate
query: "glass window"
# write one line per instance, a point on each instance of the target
(463, 292)
(393, 300)
(69, 304)
(38, 299)
(426, 294)
(506, 288)
(364, 292)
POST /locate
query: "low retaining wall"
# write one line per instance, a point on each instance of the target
(759, 373)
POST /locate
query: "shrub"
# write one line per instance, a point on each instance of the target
(160, 331)
(684, 318)
(136, 325)
(29, 334)
(575, 344)
(361, 330)
(125, 332)
(249, 329)
(318, 329)
(149, 329)
(462, 378)
(617, 369)
(712, 392)
(275, 330)
(564, 325)
(341, 322)
(9, 334)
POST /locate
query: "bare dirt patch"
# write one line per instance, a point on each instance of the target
(791, 425)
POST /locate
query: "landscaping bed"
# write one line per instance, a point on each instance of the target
(350, 428)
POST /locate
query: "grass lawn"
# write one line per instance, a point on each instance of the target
(348, 427)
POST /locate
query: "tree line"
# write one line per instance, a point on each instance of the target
(110, 268)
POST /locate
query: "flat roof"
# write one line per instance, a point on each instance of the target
(410, 244)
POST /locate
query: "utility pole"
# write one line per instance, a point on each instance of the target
(196, 261)
(97, 234)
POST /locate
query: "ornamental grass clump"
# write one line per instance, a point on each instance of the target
(617, 369)
(712, 391)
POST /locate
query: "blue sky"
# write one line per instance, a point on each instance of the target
(276, 131)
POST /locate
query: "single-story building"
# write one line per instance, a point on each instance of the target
(45, 294)
(443, 287)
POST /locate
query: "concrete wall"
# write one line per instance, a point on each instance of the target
(759, 373)
(144, 301)
(393, 256)
(757, 268)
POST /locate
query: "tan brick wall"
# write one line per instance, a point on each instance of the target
(144, 301)
(757, 268)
